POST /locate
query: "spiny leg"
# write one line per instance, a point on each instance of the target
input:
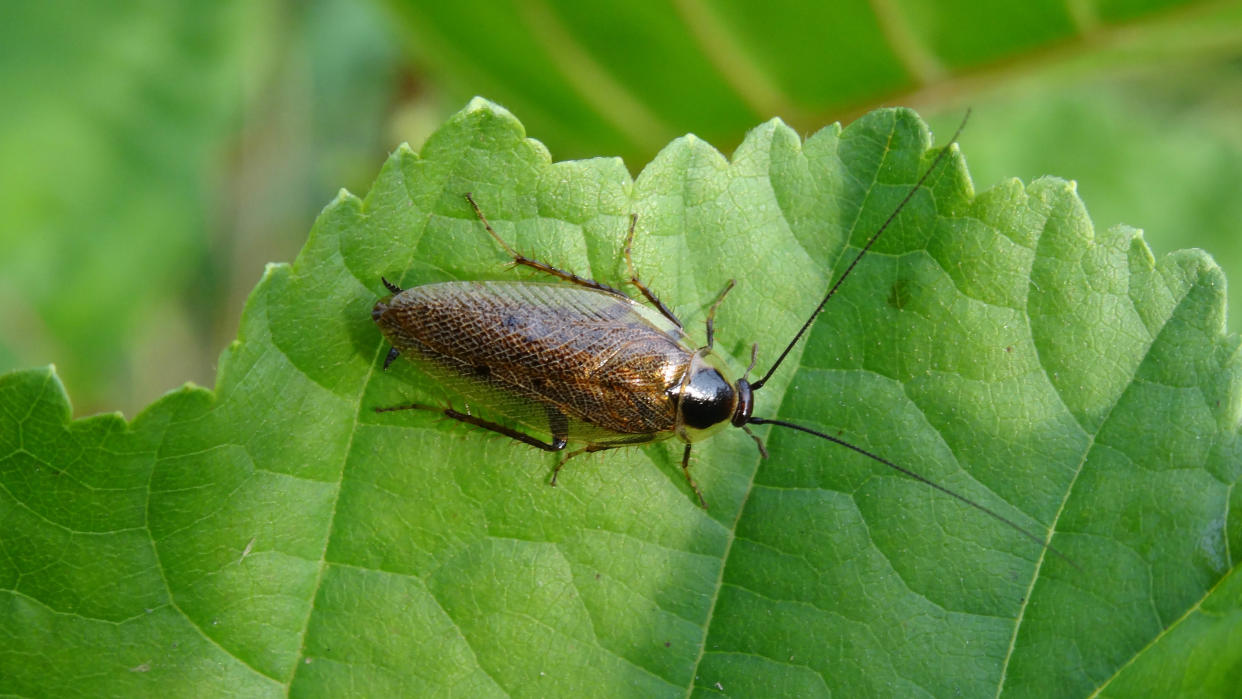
(393, 353)
(520, 259)
(763, 451)
(584, 450)
(685, 468)
(557, 444)
(711, 314)
(647, 293)
(591, 448)
(754, 357)
(556, 471)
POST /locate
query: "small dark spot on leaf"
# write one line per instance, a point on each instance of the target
(899, 294)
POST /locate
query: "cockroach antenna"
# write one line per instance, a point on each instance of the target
(944, 152)
(832, 290)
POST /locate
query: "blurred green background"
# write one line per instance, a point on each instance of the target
(154, 156)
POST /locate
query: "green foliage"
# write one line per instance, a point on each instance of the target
(277, 535)
(624, 77)
(104, 162)
(1137, 101)
(152, 157)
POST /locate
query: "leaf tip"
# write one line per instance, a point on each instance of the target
(271, 269)
(342, 196)
(482, 104)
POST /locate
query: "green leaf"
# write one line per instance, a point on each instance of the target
(628, 76)
(152, 156)
(117, 117)
(276, 535)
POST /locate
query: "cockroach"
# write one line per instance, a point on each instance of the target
(586, 363)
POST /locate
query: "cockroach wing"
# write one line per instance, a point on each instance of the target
(600, 367)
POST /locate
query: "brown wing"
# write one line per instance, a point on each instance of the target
(607, 363)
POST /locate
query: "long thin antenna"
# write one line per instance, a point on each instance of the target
(866, 248)
(922, 479)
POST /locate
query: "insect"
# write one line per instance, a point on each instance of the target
(586, 363)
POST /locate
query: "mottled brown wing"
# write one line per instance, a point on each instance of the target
(606, 363)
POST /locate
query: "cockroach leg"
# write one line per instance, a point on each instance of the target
(391, 287)
(588, 449)
(763, 451)
(556, 471)
(642, 439)
(646, 292)
(754, 358)
(557, 444)
(392, 357)
(685, 468)
(631, 441)
(520, 259)
(711, 313)
(409, 406)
